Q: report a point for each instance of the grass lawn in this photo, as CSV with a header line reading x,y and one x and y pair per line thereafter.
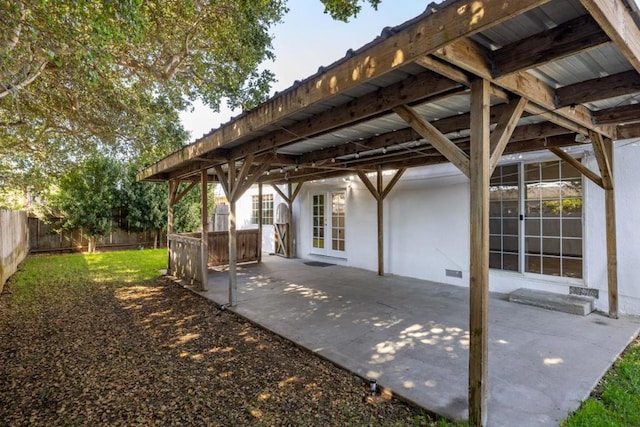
x,y
616,400
104,340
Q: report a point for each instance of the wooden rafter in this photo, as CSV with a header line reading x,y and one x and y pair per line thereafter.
x,y
604,164
620,84
415,88
184,192
621,114
474,58
617,22
504,130
569,38
594,177
435,137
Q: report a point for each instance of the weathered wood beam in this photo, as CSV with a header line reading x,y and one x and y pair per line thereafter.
x,y
244,185
600,151
474,58
627,131
233,239
415,88
594,177
457,20
367,183
612,249
184,192
569,38
223,179
260,215
479,175
617,22
617,115
280,193
620,84
435,137
380,220
242,176
173,189
503,131
204,239
393,182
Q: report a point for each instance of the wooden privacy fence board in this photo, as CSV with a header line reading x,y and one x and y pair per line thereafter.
x,y
14,242
247,241
44,238
185,257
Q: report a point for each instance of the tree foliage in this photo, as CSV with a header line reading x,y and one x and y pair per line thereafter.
x,y
88,195
342,10
78,78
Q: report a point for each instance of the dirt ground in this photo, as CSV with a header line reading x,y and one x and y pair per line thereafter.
x,y
156,354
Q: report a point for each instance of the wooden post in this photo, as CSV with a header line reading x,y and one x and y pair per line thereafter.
x,y
604,155
173,188
233,248
204,243
612,255
260,213
380,203
479,174
289,199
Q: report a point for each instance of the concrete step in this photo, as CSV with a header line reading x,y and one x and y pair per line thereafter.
x,y
572,304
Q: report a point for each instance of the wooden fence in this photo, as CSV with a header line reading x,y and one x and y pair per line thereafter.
x,y
44,238
185,252
14,243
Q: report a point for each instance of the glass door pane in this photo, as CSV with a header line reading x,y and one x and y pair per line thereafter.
x,y
337,221
318,221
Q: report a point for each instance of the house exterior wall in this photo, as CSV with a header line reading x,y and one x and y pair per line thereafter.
x,y
426,228
243,213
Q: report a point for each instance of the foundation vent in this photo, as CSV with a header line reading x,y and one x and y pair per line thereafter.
x,y
585,292
453,273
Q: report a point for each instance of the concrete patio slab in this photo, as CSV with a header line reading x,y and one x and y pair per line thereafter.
x,y
412,336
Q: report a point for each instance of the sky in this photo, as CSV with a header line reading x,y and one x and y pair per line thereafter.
x,y
308,39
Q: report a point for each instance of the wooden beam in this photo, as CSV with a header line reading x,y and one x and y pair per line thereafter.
x,y
242,176
569,38
612,250
173,188
260,214
290,253
296,192
380,220
479,252
367,183
620,84
600,151
617,22
224,181
248,181
617,115
426,85
594,177
503,131
204,238
472,57
280,192
458,19
393,182
631,130
184,192
435,137
233,242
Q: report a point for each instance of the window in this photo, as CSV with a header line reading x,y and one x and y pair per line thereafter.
x,y
535,219
267,209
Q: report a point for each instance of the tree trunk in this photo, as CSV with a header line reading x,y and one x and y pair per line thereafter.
x,y
92,244
156,236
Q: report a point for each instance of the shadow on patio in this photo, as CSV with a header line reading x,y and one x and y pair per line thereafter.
x,y
412,336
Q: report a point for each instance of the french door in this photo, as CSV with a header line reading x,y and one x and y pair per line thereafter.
x,y
328,223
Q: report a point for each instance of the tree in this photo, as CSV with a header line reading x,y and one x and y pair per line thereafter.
x,y
143,205
88,196
76,77
342,10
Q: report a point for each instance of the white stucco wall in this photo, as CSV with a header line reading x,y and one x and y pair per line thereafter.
x,y
243,213
426,221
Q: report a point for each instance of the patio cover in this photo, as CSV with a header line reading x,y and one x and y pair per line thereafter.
x,y
465,82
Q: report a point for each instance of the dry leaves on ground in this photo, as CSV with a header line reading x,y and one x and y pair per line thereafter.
x,y
156,354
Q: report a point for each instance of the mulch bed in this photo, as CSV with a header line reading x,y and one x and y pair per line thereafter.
x,y
156,354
